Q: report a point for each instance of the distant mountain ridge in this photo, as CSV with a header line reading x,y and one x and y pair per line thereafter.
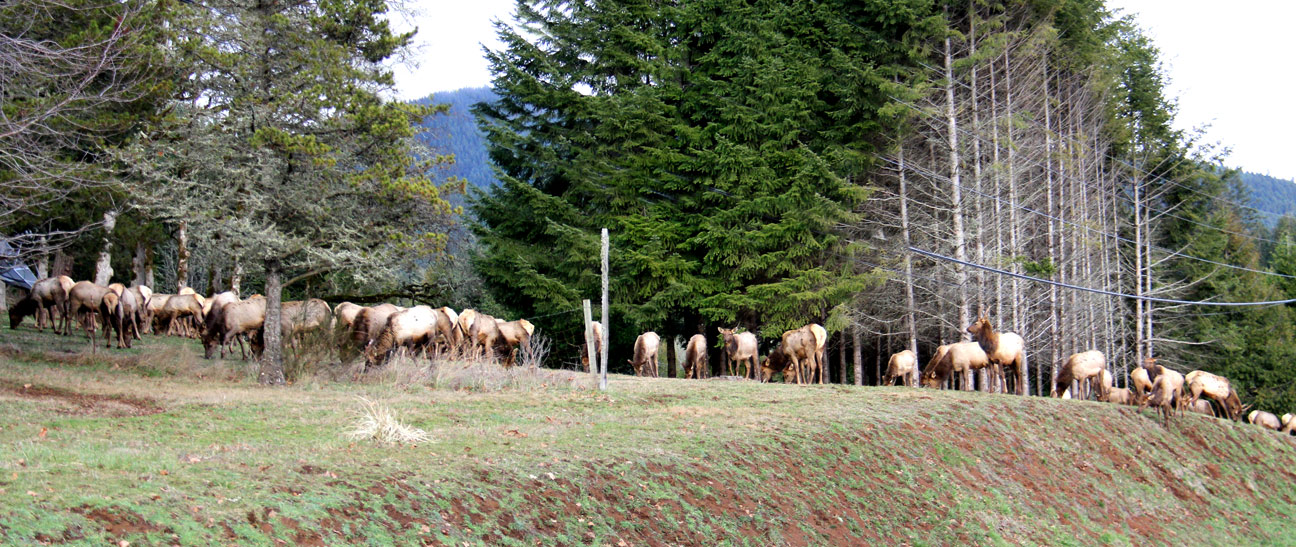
x,y
456,132
1270,194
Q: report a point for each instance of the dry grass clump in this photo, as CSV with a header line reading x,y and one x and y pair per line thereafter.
x,y
377,422
457,371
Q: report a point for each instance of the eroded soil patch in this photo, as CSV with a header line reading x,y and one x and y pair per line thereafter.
x,y
83,404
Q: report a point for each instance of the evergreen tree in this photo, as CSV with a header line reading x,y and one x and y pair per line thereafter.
x,y
288,151
721,142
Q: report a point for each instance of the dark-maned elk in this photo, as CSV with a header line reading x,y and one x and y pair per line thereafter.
x,y
237,319
801,349
1006,351
1216,388
411,329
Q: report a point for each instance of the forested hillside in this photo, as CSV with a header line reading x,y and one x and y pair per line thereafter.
x,y
889,170
456,132
1269,194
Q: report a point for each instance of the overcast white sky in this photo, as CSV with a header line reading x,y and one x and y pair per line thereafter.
x,y
1228,64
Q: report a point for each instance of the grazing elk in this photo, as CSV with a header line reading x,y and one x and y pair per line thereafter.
x,y
1006,351
1167,390
1216,388
83,301
960,357
1141,382
448,328
742,350
1201,406
49,295
696,365
1086,368
901,365
801,348
369,323
1288,424
237,319
1265,419
121,311
143,316
185,313
156,305
645,354
411,329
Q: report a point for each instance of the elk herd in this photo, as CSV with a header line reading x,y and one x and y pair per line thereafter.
x,y
223,320
377,332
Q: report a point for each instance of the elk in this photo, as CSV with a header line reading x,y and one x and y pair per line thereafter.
x,y
120,311
645,354
801,348
411,329
84,300
143,316
1167,390
49,295
1265,419
493,334
1084,367
1006,351
466,319
1288,423
959,357
695,358
1202,406
185,311
156,305
901,365
242,318
1216,388
776,362
448,327
742,349
369,323
1142,383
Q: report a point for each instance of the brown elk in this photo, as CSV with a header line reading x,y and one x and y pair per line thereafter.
x,y
121,312
411,329
493,335
960,357
156,305
369,323
742,350
1085,367
83,301
448,328
1265,419
27,307
1201,406
1288,424
48,296
777,362
1141,382
801,348
1216,388
300,317
696,365
901,365
237,319
645,354
596,329
1167,390
1006,351
466,320
185,312
143,316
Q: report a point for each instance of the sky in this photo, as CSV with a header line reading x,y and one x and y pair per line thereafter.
x,y
1227,64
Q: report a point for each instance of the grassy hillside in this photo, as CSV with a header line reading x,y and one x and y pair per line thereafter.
x,y
155,446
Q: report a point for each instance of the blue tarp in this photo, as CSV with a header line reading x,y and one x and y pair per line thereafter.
x,y
13,271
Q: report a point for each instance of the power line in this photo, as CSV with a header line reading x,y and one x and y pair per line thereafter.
x,y
938,256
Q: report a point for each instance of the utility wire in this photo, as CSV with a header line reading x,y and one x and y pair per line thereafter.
x,y
938,256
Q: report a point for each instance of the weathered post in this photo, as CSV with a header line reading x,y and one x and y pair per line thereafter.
x,y
603,359
589,337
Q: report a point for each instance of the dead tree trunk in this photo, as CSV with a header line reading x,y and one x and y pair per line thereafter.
x,y
103,266
182,257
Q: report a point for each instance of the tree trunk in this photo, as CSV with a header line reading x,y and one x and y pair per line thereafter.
x,y
42,261
148,268
236,276
910,304
103,267
272,356
858,344
140,264
956,192
182,257
671,371
62,264
842,344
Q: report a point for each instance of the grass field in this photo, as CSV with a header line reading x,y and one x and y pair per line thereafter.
x,y
156,446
